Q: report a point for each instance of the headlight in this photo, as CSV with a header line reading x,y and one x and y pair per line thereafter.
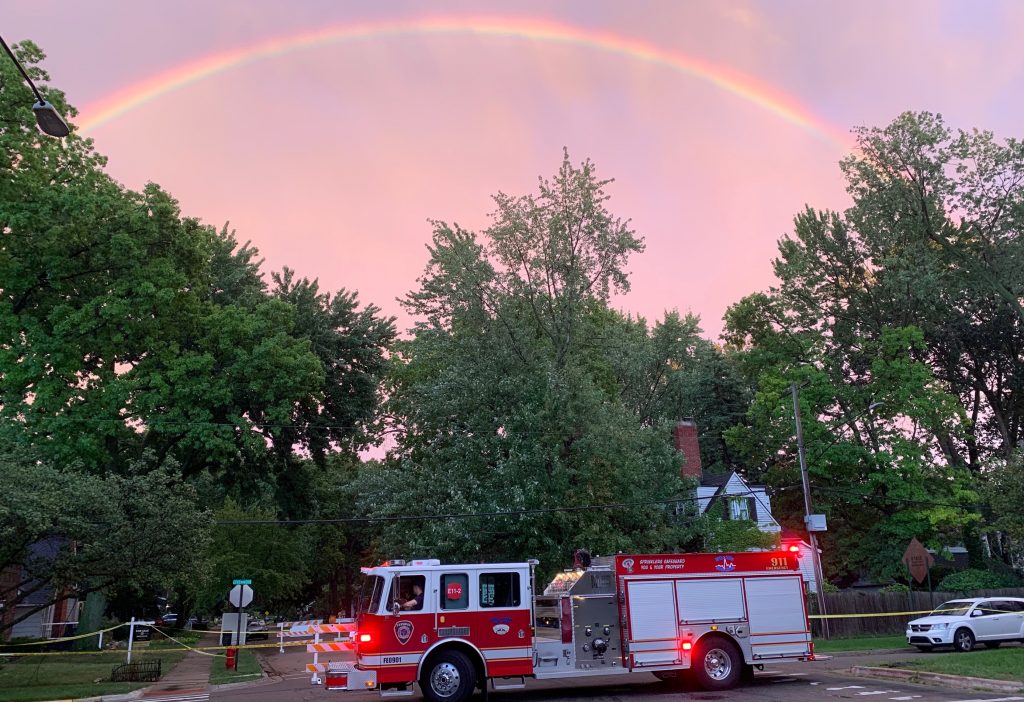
x,y
944,625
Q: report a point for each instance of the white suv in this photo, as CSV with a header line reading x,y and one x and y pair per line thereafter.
x,y
962,623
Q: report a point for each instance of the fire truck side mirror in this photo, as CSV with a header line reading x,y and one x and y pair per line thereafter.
x,y
395,609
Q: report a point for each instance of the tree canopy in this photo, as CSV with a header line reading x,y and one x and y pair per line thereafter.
x,y
153,382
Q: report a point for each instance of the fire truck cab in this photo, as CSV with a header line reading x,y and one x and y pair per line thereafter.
x,y
455,628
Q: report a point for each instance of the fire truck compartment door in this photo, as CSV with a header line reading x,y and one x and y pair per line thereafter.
x,y
778,621
653,627
710,600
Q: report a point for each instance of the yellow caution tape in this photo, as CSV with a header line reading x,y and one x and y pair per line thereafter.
x,y
876,614
67,638
148,651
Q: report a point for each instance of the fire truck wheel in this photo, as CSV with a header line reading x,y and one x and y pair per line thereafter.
x,y
448,677
718,664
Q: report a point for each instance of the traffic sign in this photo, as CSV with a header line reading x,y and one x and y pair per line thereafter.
x,y
240,595
241,582
918,560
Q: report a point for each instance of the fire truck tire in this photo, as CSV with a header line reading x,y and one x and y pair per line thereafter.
x,y
718,664
448,677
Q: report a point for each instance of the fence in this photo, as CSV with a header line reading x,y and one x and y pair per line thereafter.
x,y
873,602
140,671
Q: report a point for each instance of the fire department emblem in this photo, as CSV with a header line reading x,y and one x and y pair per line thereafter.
x,y
628,565
501,625
403,630
724,563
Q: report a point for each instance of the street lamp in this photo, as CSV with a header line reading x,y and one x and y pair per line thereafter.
x,y
47,117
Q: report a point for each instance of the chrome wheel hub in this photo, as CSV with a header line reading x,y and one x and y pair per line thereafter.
x,y
717,664
444,679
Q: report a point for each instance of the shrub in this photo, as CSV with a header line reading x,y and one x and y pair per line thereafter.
x,y
896,587
967,581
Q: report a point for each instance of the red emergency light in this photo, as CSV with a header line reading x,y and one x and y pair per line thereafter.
x,y
365,638
687,645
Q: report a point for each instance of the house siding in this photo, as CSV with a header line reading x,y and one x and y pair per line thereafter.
x,y
35,626
738,487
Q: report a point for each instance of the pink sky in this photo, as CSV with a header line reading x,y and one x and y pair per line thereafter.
x,y
332,159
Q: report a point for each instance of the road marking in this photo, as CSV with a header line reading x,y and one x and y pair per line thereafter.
x,y
847,687
815,683
904,699
878,692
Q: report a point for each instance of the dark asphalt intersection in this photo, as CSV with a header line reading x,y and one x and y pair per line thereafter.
x,y
795,683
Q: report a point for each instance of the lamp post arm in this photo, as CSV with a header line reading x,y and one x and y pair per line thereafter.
x,y
21,69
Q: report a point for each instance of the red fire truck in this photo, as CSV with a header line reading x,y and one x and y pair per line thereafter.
x,y
454,628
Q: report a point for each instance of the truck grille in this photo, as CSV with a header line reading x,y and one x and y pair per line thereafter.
x,y
920,627
453,631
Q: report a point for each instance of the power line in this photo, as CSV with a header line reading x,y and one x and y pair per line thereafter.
x,y
890,498
127,422
476,515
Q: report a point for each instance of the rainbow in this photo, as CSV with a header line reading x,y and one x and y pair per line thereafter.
x,y
738,84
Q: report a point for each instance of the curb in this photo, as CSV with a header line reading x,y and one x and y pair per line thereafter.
x,y
120,697
867,652
956,681
263,679
133,695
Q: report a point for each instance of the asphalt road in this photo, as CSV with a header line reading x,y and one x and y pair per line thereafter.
x,y
806,682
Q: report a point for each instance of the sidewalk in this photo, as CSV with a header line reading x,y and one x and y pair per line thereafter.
x,y
192,674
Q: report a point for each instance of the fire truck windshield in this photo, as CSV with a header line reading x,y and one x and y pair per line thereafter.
x,y
370,594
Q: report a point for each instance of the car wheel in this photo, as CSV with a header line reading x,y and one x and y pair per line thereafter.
x,y
992,644
924,649
718,663
448,677
963,640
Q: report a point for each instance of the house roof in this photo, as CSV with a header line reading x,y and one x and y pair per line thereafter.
x,y
716,479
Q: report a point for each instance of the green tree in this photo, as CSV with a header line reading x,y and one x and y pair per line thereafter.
x,y
134,339
276,558
348,341
1004,493
67,531
127,328
937,216
513,394
902,299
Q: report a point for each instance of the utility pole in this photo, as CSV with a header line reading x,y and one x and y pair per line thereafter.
x,y
805,480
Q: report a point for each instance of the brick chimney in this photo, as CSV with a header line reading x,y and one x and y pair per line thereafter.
x,y
685,438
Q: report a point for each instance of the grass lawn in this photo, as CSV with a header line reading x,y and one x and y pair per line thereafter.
x,y
248,669
860,643
63,677
1001,664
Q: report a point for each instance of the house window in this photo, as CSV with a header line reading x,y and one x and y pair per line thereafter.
x,y
739,508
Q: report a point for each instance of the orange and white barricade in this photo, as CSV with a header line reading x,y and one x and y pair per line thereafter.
x,y
289,630
342,629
